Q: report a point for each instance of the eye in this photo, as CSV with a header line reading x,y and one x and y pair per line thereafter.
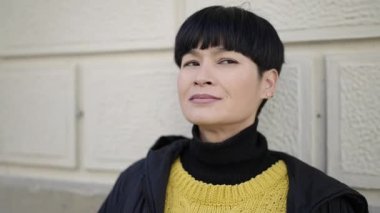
x,y
227,61
190,64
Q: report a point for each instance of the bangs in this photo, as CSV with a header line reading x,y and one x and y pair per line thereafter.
x,y
218,29
211,30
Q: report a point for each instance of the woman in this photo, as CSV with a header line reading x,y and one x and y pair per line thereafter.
x,y
229,61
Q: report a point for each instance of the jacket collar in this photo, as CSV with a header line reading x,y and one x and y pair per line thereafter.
x,y
159,161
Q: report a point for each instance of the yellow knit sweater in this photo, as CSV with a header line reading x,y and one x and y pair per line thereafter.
x,y
266,192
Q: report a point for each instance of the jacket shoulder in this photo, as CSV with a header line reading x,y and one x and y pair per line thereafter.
x,y
133,171
342,204
137,169
127,188
165,141
312,189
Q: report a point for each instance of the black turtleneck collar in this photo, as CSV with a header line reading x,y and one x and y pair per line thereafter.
x,y
235,160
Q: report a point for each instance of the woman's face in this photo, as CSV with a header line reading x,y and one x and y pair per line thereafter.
x,y
218,87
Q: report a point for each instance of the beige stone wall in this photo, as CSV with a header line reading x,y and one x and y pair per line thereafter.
x,y
87,86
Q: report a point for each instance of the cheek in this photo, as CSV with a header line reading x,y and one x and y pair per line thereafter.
x,y
182,85
247,90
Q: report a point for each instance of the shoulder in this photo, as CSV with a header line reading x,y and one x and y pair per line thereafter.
x,y
342,204
133,174
311,188
129,185
129,181
134,171
168,142
163,146
164,143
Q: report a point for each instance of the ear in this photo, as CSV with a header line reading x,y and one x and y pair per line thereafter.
x,y
268,83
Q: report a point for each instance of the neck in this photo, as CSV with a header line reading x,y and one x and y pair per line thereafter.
x,y
217,134
231,161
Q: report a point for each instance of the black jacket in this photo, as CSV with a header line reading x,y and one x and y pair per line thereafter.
x,y
142,187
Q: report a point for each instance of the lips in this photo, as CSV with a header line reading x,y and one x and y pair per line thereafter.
x,y
203,98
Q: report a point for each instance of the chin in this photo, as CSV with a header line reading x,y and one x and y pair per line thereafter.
x,y
204,120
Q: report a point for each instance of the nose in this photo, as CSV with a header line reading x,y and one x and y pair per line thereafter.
x,y
204,75
202,82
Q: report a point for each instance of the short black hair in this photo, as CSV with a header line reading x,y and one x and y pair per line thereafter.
x,y
235,29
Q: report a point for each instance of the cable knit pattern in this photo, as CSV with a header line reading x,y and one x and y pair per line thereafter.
x,y
267,192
